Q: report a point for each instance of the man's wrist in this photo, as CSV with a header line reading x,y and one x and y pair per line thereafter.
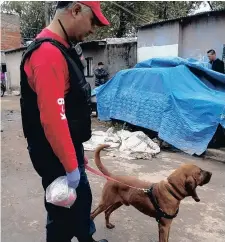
x,y
72,172
70,167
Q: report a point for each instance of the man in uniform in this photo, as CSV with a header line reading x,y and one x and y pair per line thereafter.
x,y
55,109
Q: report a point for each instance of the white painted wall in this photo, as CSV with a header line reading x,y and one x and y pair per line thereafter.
x,y
145,53
2,57
188,39
158,41
13,68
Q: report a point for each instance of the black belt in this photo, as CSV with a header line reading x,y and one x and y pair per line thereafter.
x,y
159,212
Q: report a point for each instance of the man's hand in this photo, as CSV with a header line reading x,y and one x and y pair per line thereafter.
x,y
73,178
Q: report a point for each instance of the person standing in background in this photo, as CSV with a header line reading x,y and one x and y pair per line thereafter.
x,y
217,64
101,75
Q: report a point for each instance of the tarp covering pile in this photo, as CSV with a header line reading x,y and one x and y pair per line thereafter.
x,y
180,99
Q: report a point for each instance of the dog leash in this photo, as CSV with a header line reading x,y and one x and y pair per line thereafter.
x,y
98,173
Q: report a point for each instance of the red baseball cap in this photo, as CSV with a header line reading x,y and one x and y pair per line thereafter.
x,y
95,6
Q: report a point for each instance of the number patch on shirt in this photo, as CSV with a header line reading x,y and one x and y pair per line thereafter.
x,y
61,103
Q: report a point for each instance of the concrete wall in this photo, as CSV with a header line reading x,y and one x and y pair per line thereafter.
x,y
121,56
13,60
201,35
98,54
223,57
10,31
190,38
115,57
158,41
2,57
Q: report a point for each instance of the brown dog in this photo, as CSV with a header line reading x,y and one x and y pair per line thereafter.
x,y
161,202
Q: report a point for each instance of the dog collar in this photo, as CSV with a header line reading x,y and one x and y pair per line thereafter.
x,y
159,212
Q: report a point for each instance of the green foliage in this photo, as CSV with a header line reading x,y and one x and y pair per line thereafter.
x,y
216,5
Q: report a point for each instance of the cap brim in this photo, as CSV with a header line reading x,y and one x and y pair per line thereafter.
x,y
103,21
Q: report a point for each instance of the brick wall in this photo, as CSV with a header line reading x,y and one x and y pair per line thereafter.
x,y
10,31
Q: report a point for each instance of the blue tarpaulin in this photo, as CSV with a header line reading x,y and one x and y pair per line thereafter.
x,y
180,99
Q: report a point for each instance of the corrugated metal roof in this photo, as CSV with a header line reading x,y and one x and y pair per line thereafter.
x,y
198,15
110,41
94,42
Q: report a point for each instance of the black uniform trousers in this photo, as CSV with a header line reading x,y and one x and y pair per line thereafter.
x,y
64,223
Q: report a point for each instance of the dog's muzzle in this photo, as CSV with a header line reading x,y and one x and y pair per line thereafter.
x,y
206,177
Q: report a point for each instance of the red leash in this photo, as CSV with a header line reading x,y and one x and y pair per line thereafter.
x,y
98,173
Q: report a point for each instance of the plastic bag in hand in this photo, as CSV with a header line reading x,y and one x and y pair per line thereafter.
x,y
60,194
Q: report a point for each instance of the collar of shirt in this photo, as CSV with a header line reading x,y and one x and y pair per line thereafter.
x,y
46,33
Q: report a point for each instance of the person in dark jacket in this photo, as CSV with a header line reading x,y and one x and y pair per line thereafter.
x,y
101,75
55,110
217,64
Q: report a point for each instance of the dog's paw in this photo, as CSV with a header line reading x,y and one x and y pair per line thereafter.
x,y
110,226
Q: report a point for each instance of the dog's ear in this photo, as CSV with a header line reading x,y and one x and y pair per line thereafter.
x,y
190,186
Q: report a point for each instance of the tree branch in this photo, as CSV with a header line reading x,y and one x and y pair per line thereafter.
x,y
210,5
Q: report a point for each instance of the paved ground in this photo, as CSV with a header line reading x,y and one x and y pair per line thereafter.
x,y
23,214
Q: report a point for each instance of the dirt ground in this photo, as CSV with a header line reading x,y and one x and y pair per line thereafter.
x,y
23,214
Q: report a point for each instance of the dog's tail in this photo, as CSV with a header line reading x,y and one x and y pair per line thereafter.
x,y
98,160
